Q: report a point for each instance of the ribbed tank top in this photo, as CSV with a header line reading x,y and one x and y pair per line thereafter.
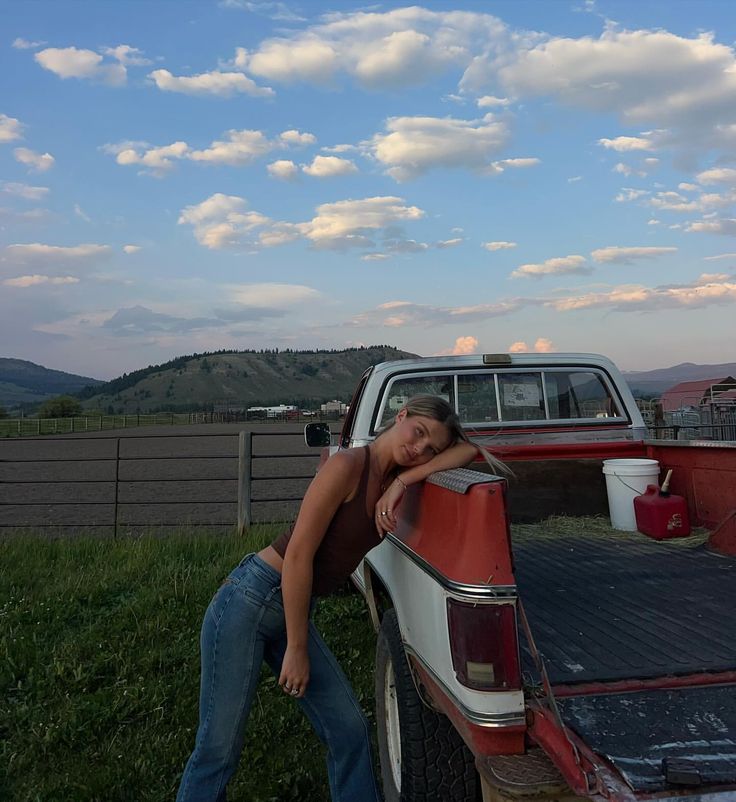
x,y
350,534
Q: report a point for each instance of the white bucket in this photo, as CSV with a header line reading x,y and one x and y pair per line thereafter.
x,y
625,480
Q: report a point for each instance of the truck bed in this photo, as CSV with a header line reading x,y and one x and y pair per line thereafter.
x,y
607,606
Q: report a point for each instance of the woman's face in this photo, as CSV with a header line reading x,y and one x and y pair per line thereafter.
x,y
418,438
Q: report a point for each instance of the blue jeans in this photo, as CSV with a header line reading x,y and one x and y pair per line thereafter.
x,y
243,626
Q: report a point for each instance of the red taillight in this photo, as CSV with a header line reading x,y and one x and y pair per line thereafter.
x,y
484,644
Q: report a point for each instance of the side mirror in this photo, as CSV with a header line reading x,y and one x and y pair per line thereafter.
x,y
317,434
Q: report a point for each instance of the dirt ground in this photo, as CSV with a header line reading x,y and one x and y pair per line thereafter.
x,y
158,476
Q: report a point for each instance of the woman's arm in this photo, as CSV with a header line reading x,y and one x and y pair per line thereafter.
x,y
327,491
454,457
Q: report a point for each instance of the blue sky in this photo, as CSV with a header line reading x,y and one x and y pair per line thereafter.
x,y
447,178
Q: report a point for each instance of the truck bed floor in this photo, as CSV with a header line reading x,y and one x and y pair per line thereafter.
x,y
605,605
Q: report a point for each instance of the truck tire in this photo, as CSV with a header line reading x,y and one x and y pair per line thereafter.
x,y
423,758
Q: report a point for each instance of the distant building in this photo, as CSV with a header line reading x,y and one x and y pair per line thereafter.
x,y
280,411
334,408
698,393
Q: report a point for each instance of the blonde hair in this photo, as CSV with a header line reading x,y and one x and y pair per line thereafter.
x,y
437,408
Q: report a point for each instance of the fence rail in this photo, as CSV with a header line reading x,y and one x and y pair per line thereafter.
x,y
115,484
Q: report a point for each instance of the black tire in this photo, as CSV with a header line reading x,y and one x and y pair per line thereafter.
x,y
426,760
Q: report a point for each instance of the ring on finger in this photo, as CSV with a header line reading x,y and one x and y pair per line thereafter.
x,y
294,691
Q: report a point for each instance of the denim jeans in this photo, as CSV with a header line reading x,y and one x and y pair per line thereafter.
x,y
243,626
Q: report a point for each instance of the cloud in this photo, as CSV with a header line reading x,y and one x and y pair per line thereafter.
x,y
297,138
673,202
623,144
399,48
157,160
720,256
499,245
24,44
492,102
127,55
695,295
272,295
619,255
38,162
81,214
34,280
221,221
415,145
718,175
219,84
273,10
543,345
24,191
561,265
241,147
628,194
37,253
130,249
70,62
329,166
725,226
463,345
10,128
449,243
285,169
397,314
138,320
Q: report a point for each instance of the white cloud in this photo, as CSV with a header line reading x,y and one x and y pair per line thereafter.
x,y
130,249
543,345
297,138
329,166
34,280
10,128
628,194
81,214
492,102
463,345
499,245
38,162
158,160
285,169
504,164
561,265
619,255
374,257
414,145
627,170
398,48
127,55
623,144
220,84
223,221
241,147
271,295
24,191
718,175
70,62
725,226
449,243
39,252
24,44
720,256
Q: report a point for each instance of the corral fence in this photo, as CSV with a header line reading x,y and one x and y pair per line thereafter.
x,y
35,427
112,486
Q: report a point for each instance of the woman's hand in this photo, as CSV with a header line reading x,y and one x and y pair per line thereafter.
x,y
294,676
385,515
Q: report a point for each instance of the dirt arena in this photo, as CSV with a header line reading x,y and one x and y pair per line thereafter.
x,y
167,477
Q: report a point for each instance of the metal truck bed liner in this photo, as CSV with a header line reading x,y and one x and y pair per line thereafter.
x,y
606,605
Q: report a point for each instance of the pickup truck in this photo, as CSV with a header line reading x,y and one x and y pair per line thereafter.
x,y
524,651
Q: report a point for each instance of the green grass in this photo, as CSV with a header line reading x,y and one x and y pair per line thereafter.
x,y
99,672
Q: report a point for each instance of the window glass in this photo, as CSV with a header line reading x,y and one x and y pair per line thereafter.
x,y
578,394
402,389
521,396
476,397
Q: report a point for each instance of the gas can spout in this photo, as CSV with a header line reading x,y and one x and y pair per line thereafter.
x,y
665,489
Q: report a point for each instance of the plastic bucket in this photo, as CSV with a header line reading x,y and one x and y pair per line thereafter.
x,y
625,480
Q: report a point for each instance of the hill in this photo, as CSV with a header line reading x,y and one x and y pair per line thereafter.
x,y
655,382
23,382
238,379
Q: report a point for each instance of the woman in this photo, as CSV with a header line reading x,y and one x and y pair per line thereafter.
x,y
262,610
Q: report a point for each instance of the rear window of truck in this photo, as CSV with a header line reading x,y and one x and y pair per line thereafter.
x,y
510,396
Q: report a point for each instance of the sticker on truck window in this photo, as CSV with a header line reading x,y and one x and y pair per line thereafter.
x,y
521,395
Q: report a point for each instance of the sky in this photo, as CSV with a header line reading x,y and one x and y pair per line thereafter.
x,y
180,176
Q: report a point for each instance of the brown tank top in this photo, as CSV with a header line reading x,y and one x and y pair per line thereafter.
x,y
350,534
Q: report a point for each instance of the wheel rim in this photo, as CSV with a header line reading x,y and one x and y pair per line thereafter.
x,y
393,732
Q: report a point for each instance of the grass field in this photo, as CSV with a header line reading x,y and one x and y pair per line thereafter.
x,y
99,672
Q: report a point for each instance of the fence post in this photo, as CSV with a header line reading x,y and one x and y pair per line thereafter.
x,y
245,452
117,477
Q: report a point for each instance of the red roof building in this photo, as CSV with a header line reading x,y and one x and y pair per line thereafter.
x,y
694,394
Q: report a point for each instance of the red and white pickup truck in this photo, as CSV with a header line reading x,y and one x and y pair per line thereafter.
x,y
553,660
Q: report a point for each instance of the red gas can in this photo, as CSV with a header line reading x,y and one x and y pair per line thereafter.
x,y
661,515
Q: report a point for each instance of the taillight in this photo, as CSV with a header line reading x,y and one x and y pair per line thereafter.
x,y
484,644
